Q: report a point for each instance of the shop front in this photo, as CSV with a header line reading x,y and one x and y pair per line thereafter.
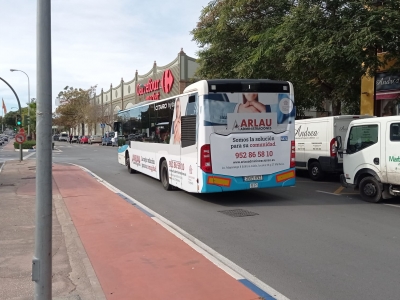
x,y
387,95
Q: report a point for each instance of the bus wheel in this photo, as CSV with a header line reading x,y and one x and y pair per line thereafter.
x,y
315,171
128,165
164,176
370,190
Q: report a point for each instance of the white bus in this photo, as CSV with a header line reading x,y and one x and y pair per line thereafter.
x,y
219,135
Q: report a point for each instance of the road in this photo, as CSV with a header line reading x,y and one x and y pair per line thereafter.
x,y
313,241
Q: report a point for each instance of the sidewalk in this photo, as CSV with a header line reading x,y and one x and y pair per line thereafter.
x,y
103,246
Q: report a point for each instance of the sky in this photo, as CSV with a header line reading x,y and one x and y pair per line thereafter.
x,y
94,42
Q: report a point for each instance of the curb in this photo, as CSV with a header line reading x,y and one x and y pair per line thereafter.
x,y
25,150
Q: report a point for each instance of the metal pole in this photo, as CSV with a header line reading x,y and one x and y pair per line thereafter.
x,y
20,113
29,107
42,260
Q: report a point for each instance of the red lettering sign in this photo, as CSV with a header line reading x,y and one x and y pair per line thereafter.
x,y
167,81
254,123
149,87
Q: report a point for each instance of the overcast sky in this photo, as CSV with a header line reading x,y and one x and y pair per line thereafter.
x,y
93,41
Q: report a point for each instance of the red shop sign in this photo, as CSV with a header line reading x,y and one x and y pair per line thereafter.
x,y
154,86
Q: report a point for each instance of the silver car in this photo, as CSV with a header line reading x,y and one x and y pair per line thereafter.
x,y
94,139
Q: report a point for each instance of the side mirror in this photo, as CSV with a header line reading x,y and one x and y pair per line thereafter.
x,y
339,142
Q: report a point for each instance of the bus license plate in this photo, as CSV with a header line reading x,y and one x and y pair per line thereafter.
x,y
254,185
253,178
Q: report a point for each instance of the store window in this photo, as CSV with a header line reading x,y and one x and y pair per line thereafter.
x,y
390,107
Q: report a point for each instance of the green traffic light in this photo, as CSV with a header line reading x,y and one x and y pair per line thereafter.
x,y
19,121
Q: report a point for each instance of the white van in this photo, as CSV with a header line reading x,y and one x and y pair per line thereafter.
x,y
64,137
316,144
371,157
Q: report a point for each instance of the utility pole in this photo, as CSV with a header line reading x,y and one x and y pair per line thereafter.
x,y
42,260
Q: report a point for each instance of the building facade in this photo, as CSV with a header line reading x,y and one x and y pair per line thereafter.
x,y
380,95
159,83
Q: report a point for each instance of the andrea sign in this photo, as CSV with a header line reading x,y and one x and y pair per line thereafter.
x,y
387,82
154,86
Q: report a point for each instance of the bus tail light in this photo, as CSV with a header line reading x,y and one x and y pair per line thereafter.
x,y
332,148
293,154
205,158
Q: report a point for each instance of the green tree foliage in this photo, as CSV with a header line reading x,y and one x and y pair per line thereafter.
x,y
10,117
323,47
224,34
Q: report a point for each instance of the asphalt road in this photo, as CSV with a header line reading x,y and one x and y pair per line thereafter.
x,y
313,241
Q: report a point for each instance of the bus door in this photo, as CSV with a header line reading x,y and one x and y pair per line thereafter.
x,y
185,135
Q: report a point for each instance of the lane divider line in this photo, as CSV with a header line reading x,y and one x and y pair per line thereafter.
x,y
327,193
250,281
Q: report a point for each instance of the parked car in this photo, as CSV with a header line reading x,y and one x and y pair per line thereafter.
x,y
64,137
56,137
85,139
106,140
74,139
95,139
79,138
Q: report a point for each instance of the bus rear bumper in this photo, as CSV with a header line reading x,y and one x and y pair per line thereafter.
x,y
214,183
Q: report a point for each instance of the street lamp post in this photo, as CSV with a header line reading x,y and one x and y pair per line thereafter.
x,y
29,102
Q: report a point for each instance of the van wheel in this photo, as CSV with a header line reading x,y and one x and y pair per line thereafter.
x,y
128,165
315,171
164,176
370,190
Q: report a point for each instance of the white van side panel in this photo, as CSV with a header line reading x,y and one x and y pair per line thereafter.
x,y
312,138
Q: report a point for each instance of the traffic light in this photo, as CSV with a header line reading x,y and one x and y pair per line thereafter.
x,y
19,121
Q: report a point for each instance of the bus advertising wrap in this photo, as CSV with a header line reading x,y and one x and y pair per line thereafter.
x,y
249,154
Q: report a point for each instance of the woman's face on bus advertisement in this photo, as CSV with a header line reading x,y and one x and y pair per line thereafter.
x,y
250,96
178,109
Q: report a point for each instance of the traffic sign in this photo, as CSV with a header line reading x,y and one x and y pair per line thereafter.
x,y
20,138
21,130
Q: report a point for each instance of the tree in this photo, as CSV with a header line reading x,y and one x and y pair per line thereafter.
x,y
224,34
331,45
324,48
10,117
73,111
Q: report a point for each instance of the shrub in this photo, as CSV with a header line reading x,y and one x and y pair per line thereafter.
x,y
25,145
121,142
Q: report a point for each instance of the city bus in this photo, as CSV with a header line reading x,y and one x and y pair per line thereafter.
x,y
218,135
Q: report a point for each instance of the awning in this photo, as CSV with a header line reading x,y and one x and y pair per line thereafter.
x,y
388,95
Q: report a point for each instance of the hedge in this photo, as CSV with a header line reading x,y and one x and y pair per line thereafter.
x,y
25,145
121,142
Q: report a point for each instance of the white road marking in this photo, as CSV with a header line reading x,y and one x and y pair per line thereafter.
x,y
327,193
398,206
29,155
